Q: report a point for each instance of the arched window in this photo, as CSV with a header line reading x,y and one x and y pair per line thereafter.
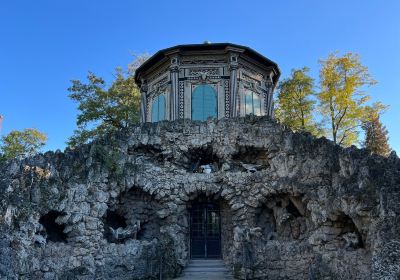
x,y
204,103
158,108
252,103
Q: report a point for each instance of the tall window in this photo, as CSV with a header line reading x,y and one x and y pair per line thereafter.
x,y
204,103
158,108
252,103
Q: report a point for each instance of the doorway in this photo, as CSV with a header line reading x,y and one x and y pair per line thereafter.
x,y
205,231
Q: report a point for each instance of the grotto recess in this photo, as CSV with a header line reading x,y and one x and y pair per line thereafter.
x,y
276,205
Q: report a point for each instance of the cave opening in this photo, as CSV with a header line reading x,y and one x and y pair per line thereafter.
x,y
203,160
292,209
151,151
132,217
349,232
112,220
282,217
54,231
250,159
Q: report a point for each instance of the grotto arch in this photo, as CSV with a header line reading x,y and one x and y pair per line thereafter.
x,y
210,232
341,230
54,231
197,159
282,217
132,215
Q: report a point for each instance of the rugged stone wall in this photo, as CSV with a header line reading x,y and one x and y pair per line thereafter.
x,y
293,207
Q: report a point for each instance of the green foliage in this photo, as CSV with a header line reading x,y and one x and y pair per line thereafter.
x,y
28,141
342,103
376,134
295,107
167,255
109,158
105,109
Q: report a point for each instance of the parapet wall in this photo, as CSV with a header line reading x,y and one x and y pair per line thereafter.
x,y
292,206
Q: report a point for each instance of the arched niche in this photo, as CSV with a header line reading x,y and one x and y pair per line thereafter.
x,y
54,231
132,216
283,217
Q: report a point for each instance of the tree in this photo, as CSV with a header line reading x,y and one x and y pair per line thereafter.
x,y
105,109
28,141
295,107
341,99
376,134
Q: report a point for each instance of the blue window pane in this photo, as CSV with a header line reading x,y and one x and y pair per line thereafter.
x,y
158,109
210,102
154,110
204,103
248,102
256,104
252,103
197,104
161,107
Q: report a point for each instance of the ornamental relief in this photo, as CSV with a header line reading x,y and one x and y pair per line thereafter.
x,y
211,59
250,82
248,78
181,98
251,71
204,79
227,99
253,87
155,75
204,71
161,82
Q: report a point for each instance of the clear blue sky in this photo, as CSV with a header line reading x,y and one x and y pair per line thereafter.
x,y
45,44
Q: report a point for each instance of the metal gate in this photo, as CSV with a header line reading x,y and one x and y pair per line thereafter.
x,y
205,231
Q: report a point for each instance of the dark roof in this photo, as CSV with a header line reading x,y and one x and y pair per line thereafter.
x,y
204,47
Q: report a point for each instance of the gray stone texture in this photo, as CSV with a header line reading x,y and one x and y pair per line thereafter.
x,y
292,206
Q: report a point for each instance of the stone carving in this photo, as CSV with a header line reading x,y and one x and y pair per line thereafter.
x,y
203,60
204,72
159,84
252,81
227,99
40,235
247,234
120,233
181,99
251,70
251,168
351,240
158,73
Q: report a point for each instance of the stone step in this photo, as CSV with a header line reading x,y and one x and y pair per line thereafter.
x,y
206,260
205,270
205,276
206,265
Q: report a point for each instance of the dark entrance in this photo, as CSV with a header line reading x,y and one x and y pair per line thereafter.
x,y
205,231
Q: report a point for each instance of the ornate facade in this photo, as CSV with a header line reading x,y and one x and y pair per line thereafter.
x,y
204,81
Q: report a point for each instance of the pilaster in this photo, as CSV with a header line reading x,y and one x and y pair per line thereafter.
x,y
269,106
174,102
143,102
233,68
